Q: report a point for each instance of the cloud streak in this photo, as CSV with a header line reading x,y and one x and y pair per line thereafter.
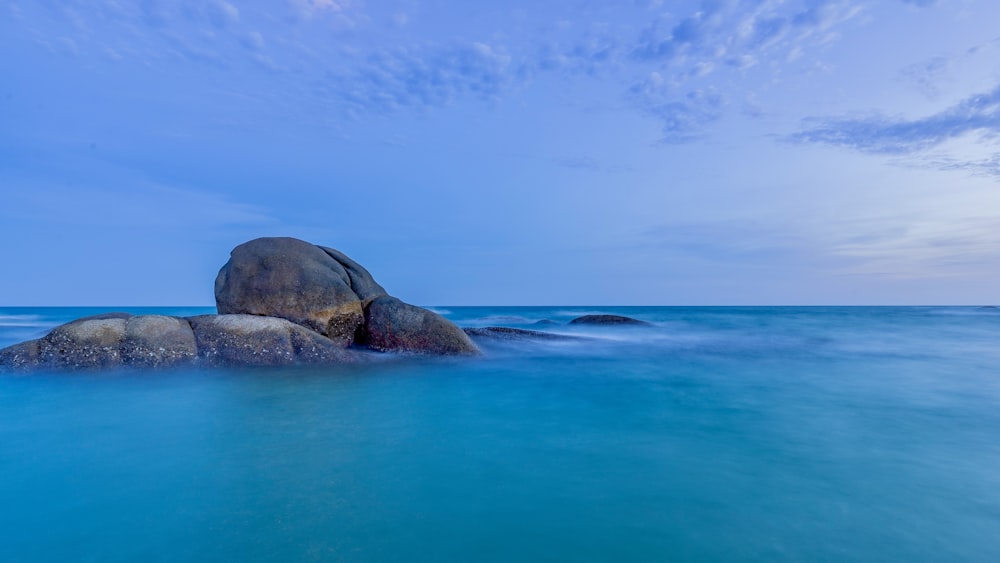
x,y
721,37
880,134
683,118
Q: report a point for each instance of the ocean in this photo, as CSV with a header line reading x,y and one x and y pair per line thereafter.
x,y
716,434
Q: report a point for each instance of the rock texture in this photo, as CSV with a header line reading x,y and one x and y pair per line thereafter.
x,y
322,289
87,342
294,280
107,341
281,301
394,326
606,320
262,341
157,340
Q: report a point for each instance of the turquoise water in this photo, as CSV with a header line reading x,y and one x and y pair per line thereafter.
x,y
718,434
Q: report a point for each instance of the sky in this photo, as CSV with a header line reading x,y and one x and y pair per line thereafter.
x,y
717,152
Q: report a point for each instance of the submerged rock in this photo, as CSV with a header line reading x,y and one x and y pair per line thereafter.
x,y
606,320
507,333
394,326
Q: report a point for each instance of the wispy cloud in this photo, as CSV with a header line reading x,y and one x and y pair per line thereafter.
x,y
978,114
728,37
674,65
739,32
588,164
589,55
923,248
683,118
926,75
422,78
727,241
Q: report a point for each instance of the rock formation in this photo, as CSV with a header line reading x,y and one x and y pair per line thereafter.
x,y
280,301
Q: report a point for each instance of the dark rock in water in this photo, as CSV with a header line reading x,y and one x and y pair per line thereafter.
x,y
606,320
507,333
989,307
23,356
394,326
298,281
546,322
251,340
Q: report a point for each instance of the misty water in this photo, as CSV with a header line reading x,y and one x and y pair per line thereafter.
x,y
716,434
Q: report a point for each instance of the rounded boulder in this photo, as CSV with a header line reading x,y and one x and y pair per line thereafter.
x,y
295,280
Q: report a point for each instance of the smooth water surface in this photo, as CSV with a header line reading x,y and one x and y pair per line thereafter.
x,y
717,434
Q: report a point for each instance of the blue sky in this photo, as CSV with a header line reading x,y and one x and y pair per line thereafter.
x,y
664,153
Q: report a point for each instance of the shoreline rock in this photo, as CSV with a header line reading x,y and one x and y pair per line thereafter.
x,y
394,326
280,300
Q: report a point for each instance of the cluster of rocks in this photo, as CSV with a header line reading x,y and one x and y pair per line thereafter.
x,y
511,334
280,301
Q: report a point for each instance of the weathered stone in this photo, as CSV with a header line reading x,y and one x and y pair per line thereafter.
x,y
25,355
157,340
606,320
362,283
253,340
292,279
281,300
90,342
392,325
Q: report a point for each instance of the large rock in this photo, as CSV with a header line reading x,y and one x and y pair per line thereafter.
x,y
394,326
122,340
282,301
107,341
318,288
251,340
